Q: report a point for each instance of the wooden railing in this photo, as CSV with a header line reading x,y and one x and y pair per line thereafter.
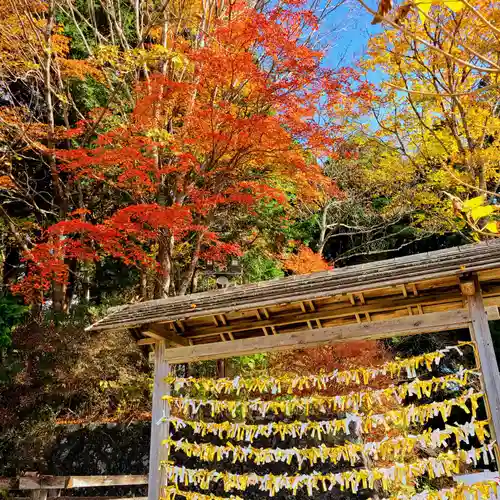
x,y
37,487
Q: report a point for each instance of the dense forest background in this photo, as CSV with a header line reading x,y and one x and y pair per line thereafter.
x,y
147,147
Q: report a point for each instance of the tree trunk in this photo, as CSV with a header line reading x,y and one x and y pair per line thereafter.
x,y
193,265
164,274
59,302
144,283
86,272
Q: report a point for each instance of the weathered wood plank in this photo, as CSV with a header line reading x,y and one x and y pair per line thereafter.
x,y
163,332
159,430
94,481
481,335
436,266
493,313
147,341
32,482
408,325
66,482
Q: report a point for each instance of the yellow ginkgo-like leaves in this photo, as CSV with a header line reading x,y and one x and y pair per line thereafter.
x,y
480,212
492,227
425,6
473,203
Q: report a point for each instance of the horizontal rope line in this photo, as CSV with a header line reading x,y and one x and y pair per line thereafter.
x,y
445,464
275,385
396,448
344,402
410,414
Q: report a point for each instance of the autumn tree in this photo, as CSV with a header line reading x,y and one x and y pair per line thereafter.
x,y
58,61
439,118
216,129
472,44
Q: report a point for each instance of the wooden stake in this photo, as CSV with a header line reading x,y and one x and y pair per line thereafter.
x,y
159,430
39,494
481,336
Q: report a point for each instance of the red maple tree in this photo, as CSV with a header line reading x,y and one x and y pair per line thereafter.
x,y
231,125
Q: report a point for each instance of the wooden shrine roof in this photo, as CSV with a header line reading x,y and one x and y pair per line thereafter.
x,y
403,286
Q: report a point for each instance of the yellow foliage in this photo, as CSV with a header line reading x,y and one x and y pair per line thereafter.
x,y
436,114
23,45
125,61
492,227
424,7
473,203
480,212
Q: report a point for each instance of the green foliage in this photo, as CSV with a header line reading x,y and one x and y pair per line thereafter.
x,y
11,315
305,230
202,369
259,267
128,393
88,94
380,202
256,362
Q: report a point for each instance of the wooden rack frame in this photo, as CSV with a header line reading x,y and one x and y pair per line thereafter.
x,y
475,317
39,487
433,292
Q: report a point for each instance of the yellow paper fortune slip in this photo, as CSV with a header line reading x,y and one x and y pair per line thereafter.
x,y
353,401
286,384
359,424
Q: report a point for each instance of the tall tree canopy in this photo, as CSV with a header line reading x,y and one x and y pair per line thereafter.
x,y
439,117
199,128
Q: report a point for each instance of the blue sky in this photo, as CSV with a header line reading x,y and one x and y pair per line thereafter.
x,y
354,28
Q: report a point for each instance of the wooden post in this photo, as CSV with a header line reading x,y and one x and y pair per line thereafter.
x,y
159,430
39,495
480,333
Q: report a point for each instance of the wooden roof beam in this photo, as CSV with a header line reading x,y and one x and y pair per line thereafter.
x,y
408,325
164,332
378,305
468,287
